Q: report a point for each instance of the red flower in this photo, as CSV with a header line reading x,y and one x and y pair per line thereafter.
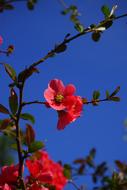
x,y
74,109
56,94
8,177
1,40
46,172
5,187
9,174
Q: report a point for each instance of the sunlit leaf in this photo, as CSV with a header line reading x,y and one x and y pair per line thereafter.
x,y
105,10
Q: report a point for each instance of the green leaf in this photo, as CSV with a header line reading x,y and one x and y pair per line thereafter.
x,y
13,101
107,94
114,98
34,146
67,171
96,36
96,95
79,27
3,109
27,116
30,134
10,71
105,10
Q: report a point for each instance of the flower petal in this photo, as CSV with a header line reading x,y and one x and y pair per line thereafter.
x,y
57,85
69,90
64,119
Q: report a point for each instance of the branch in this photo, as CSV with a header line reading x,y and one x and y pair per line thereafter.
x,y
18,139
72,182
68,40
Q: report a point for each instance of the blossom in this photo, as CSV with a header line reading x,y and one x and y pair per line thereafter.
x,y
1,40
5,187
56,94
9,174
45,171
8,177
62,99
74,106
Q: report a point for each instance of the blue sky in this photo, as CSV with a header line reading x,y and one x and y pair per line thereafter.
x,y
88,65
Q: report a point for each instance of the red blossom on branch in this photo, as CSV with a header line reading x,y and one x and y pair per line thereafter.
x,y
1,40
8,177
44,171
62,99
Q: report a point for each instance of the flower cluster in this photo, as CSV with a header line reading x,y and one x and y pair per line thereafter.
x,y
45,174
8,177
62,99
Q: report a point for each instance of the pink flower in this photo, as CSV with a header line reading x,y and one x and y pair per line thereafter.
x,y
5,187
1,40
62,99
56,94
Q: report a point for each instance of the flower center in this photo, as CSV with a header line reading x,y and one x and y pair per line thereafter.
x,y
59,98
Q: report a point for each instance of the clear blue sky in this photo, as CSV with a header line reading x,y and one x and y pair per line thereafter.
x,y
88,65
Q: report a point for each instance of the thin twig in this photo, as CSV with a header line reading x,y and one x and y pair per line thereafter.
x,y
72,182
68,40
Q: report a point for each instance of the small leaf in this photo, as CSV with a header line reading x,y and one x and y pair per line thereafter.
x,y
27,116
10,71
34,146
79,28
114,98
13,101
3,109
107,94
30,134
96,95
105,10
67,171
96,36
